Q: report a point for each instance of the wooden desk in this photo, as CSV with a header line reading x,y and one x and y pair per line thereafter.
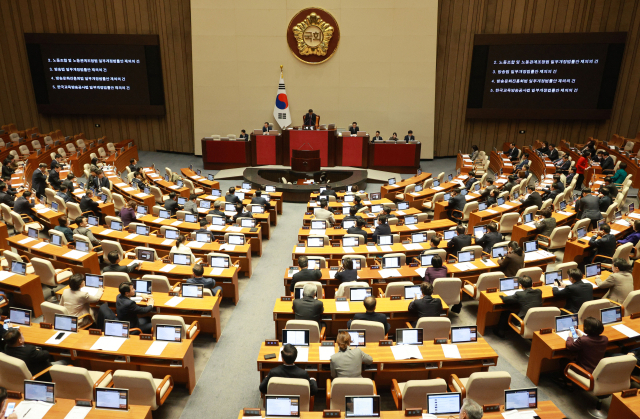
x,y
627,408
176,359
201,181
336,205
547,349
26,291
306,220
494,213
4,235
130,193
416,199
266,219
120,159
524,232
441,210
55,254
403,230
397,312
539,165
63,406
464,163
498,160
390,191
165,187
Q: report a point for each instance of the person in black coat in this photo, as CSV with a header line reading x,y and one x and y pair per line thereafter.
x,y
492,199
534,198
381,229
456,202
526,299
359,229
409,137
171,204
569,178
346,273
243,135
563,165
88,204
304,274
328,191
458,242
289,370
265,127
352,215
132,165
602,243
607,164
513,152
354,128
470,181
7,171
68,182
198,278
511,183
231,197
576,293
39,180
553,152
258,199
490,238
310,119
101,181
371,315
240,213
5,196
427,306
114,258
36,359
128,311
307,307
604,200
23,205
54,178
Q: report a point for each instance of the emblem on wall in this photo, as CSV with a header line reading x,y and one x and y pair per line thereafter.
x,y
313,35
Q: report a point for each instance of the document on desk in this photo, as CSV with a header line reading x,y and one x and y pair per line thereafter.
x,y
511,292
490,211
451,351
77,412
158,220
215,228
167,268
75,254
412,227
216,271
367,203
623,223
303,354
348,249
346,204
106,231
53,341
400,212
5,274
229,247
332,274
39,245
464,266
42,211
131,236
421,271
522,414
342,306
505,206
325,352
176,223
437,188
406,352
626,330
195,245
634,215
389,273
156,348
372,249
108,343
412,246
174,301
232,228
167,242
531,224
34,409
386,248
27,240
299,249
488,262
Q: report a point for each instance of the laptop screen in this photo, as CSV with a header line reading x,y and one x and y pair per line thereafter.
x,y
461,334
466,256
203,237
116,329
142,286
611,315
248,223
56,239
269,188
391,262
82,246
117,225
295,337
93,221
179,183
359,294
409,220
164,214
349,198
41,391
182,200
499,251
409,336
240,195
181,259
376,208
19,268
315,241
349,223
479,231
449,234
565,322
112,398
551,277
425,260
318,225
204,204
581,232
171,234
246,185
444,403
411,291
142,230
500,200
418,237
350,242
142,209
168,333
282,406
524,398
230,207
418,188
403,205
192,290
219,261
257,209
191,218
65,323
298,293
375,196
94,281
32,232
531,246
528,218
357,336
392,181
592,269
508,284
362,406
482,206
385,240
218,221
146,255
20,316
237,239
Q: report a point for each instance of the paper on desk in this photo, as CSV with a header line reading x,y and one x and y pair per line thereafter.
x,y
167,268
215,228
106,231
229,247
634,215
412,227
565,213
195,244
129,189
386,248
372,249
315,232
77,412
490,211
90,290
367,202
174,186
406,352
531,224
158,220
348,249
346,204
421,271
75,254
451,351
108,343
39,245
27,240
156,348
342,306
53,341
176,223
389,273
488,262
299,249
135,261
303,354
510,292
332,274
505,206
625,330
615,232
140,195
412,246
174,301
325,352
313,204
623,223
131,236
464,266
233,228
37,410
424,416
437,188
42,211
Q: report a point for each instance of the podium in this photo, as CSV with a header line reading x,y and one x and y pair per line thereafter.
x,y
305,160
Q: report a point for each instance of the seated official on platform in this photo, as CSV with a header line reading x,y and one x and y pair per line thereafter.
x,y
621,173
78,302
492,199
348,362
458,242
346,273
490,238
619,283
591,346
231,196
354,128
511,183
216,210
308,307
243,135
563,164
545,148
198,273
394,137
526,299
572,175
203,229
470,180
436,270
241,212
5,197
323,212
534,198
265,127
371,315
576,294
289,370
602,243
377,137
474,153
358,229
114,258
310,119
62,193
513,261
101,181
304,274
409,137
128,311
607,163
36,359
427,306
553,152
381,229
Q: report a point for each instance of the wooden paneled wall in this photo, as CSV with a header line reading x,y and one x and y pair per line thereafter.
x,y
169,19
459,20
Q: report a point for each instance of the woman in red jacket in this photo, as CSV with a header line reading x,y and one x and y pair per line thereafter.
x,y
581,166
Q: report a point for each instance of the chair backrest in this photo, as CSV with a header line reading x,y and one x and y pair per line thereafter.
x,y
12,257
321,259
345,287
539,318
584,223
342,387
317,284
631,304
172,320
6,213
623,251
84,239
565,267
114,279
13,372
448,289
440,252
72,382
60,234
319,236
530,210
613,374
546,204
49,310
24,150
360,237
535,273
591,309
44,269
361,258
141,386
291,387
110,245
396,288
488,280
118,201
434,327
414,392
310,325
488,387
73,210
374,330
507,221
159,283
477,250
402,256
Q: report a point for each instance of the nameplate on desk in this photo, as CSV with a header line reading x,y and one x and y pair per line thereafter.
x,y
545,331
395,297
375,267
328,343
326,413
285,298
334,268
96,332
308,213
271,342
335,245
371,244
385,342
146,336
84,402
44,325
537,284
487,408
635,315
174,294
632,392
413,265
251,412
413,412
406,242
440,341
306,227
341,298
490,290
300,244
14,394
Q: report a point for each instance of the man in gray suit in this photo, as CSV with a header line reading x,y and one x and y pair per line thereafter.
x,y
588,206
323,212
619,283
308,308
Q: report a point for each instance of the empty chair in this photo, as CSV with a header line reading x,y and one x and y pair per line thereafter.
x,y
20,226
537,318
11,257
78,383
144,390
374,331
483,387
631,304
433,327
118,201
159,283
448,289
157,194
80,143
24,150
592,309
534,273
292,387
407,190
485,280
315,334
622,252
507,222
437,197
463,215
111,148
71,148
110,245
13,372
186,332
73,210
396,288
413,393
345,287
114,279
102,153
192,188
63,238
342,386
50,276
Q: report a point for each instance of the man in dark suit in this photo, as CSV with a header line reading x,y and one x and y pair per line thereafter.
x,y
490,238
576,293
604,200
203,229
553,152
68,182
358,229
171,204
5,196
352,215
534,198
456,202
289,370
511,182
132,165
88,204
328,191
198,278
357,203
307,307
36,359
569,178
427,306
304,274
241,213
265,127
54,178
470,180
526,299
608,184
381,229
216,210
544,149
56,162
128,311
23,205
39,180
602,243
231,196
377,137
553,192
607,164
458,242
101,181
371,315
409,137
7,170
258,199
243,135
114,258
588,206
513,152
62,193
563,165
354,128
309,119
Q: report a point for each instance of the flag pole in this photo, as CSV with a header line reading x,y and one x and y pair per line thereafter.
x,y
281,68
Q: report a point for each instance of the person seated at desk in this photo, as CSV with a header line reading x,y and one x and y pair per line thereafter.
x,y
352,215
132,165
547,224
68,183
591,346
409,137
128,212
604,200
54,178
36,359
354,128
434,242
599,157
241,212
78,302
23,206
137,181
523,161
198,278
513,261
258,199
572,175
607,163
64,228
88,204
289,370
171,204
427,306
486,191
526,299
5,197
180,247
307,307
436,270
191,205
523,173
216,210
470,180
512,154
310,119
456,202
83,229
492,199
114,258
458,242
545,148
371,315
231,196
323,212
632,238
588,206
128,311
470,409
621,174
534,198
101,181
608,184
490,238
619,283
511,183
394,137
243,135
62,193
602,243
346,273
590,147
265,127
7,170
377,137
358,229
348,362
381,229
559,186
203,229
552,193
357,203
577,293
474,153
328,191
553,152
304,274
563,164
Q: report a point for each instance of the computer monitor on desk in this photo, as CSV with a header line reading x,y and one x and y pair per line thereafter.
x,y
552,277
359,294
347,224
65,323
295,337
524,398
19,316
611,315
40,391
592,270
192,290
385,240
181,259
357,336
508,284
143,286
282,406
112,398
362,406
449,234
409,336
564,323
168,333
444,403
116,328
464,334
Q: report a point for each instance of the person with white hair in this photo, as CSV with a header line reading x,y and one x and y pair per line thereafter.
x,y
307,307
470,410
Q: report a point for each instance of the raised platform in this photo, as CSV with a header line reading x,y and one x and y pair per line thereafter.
x,y
295,192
